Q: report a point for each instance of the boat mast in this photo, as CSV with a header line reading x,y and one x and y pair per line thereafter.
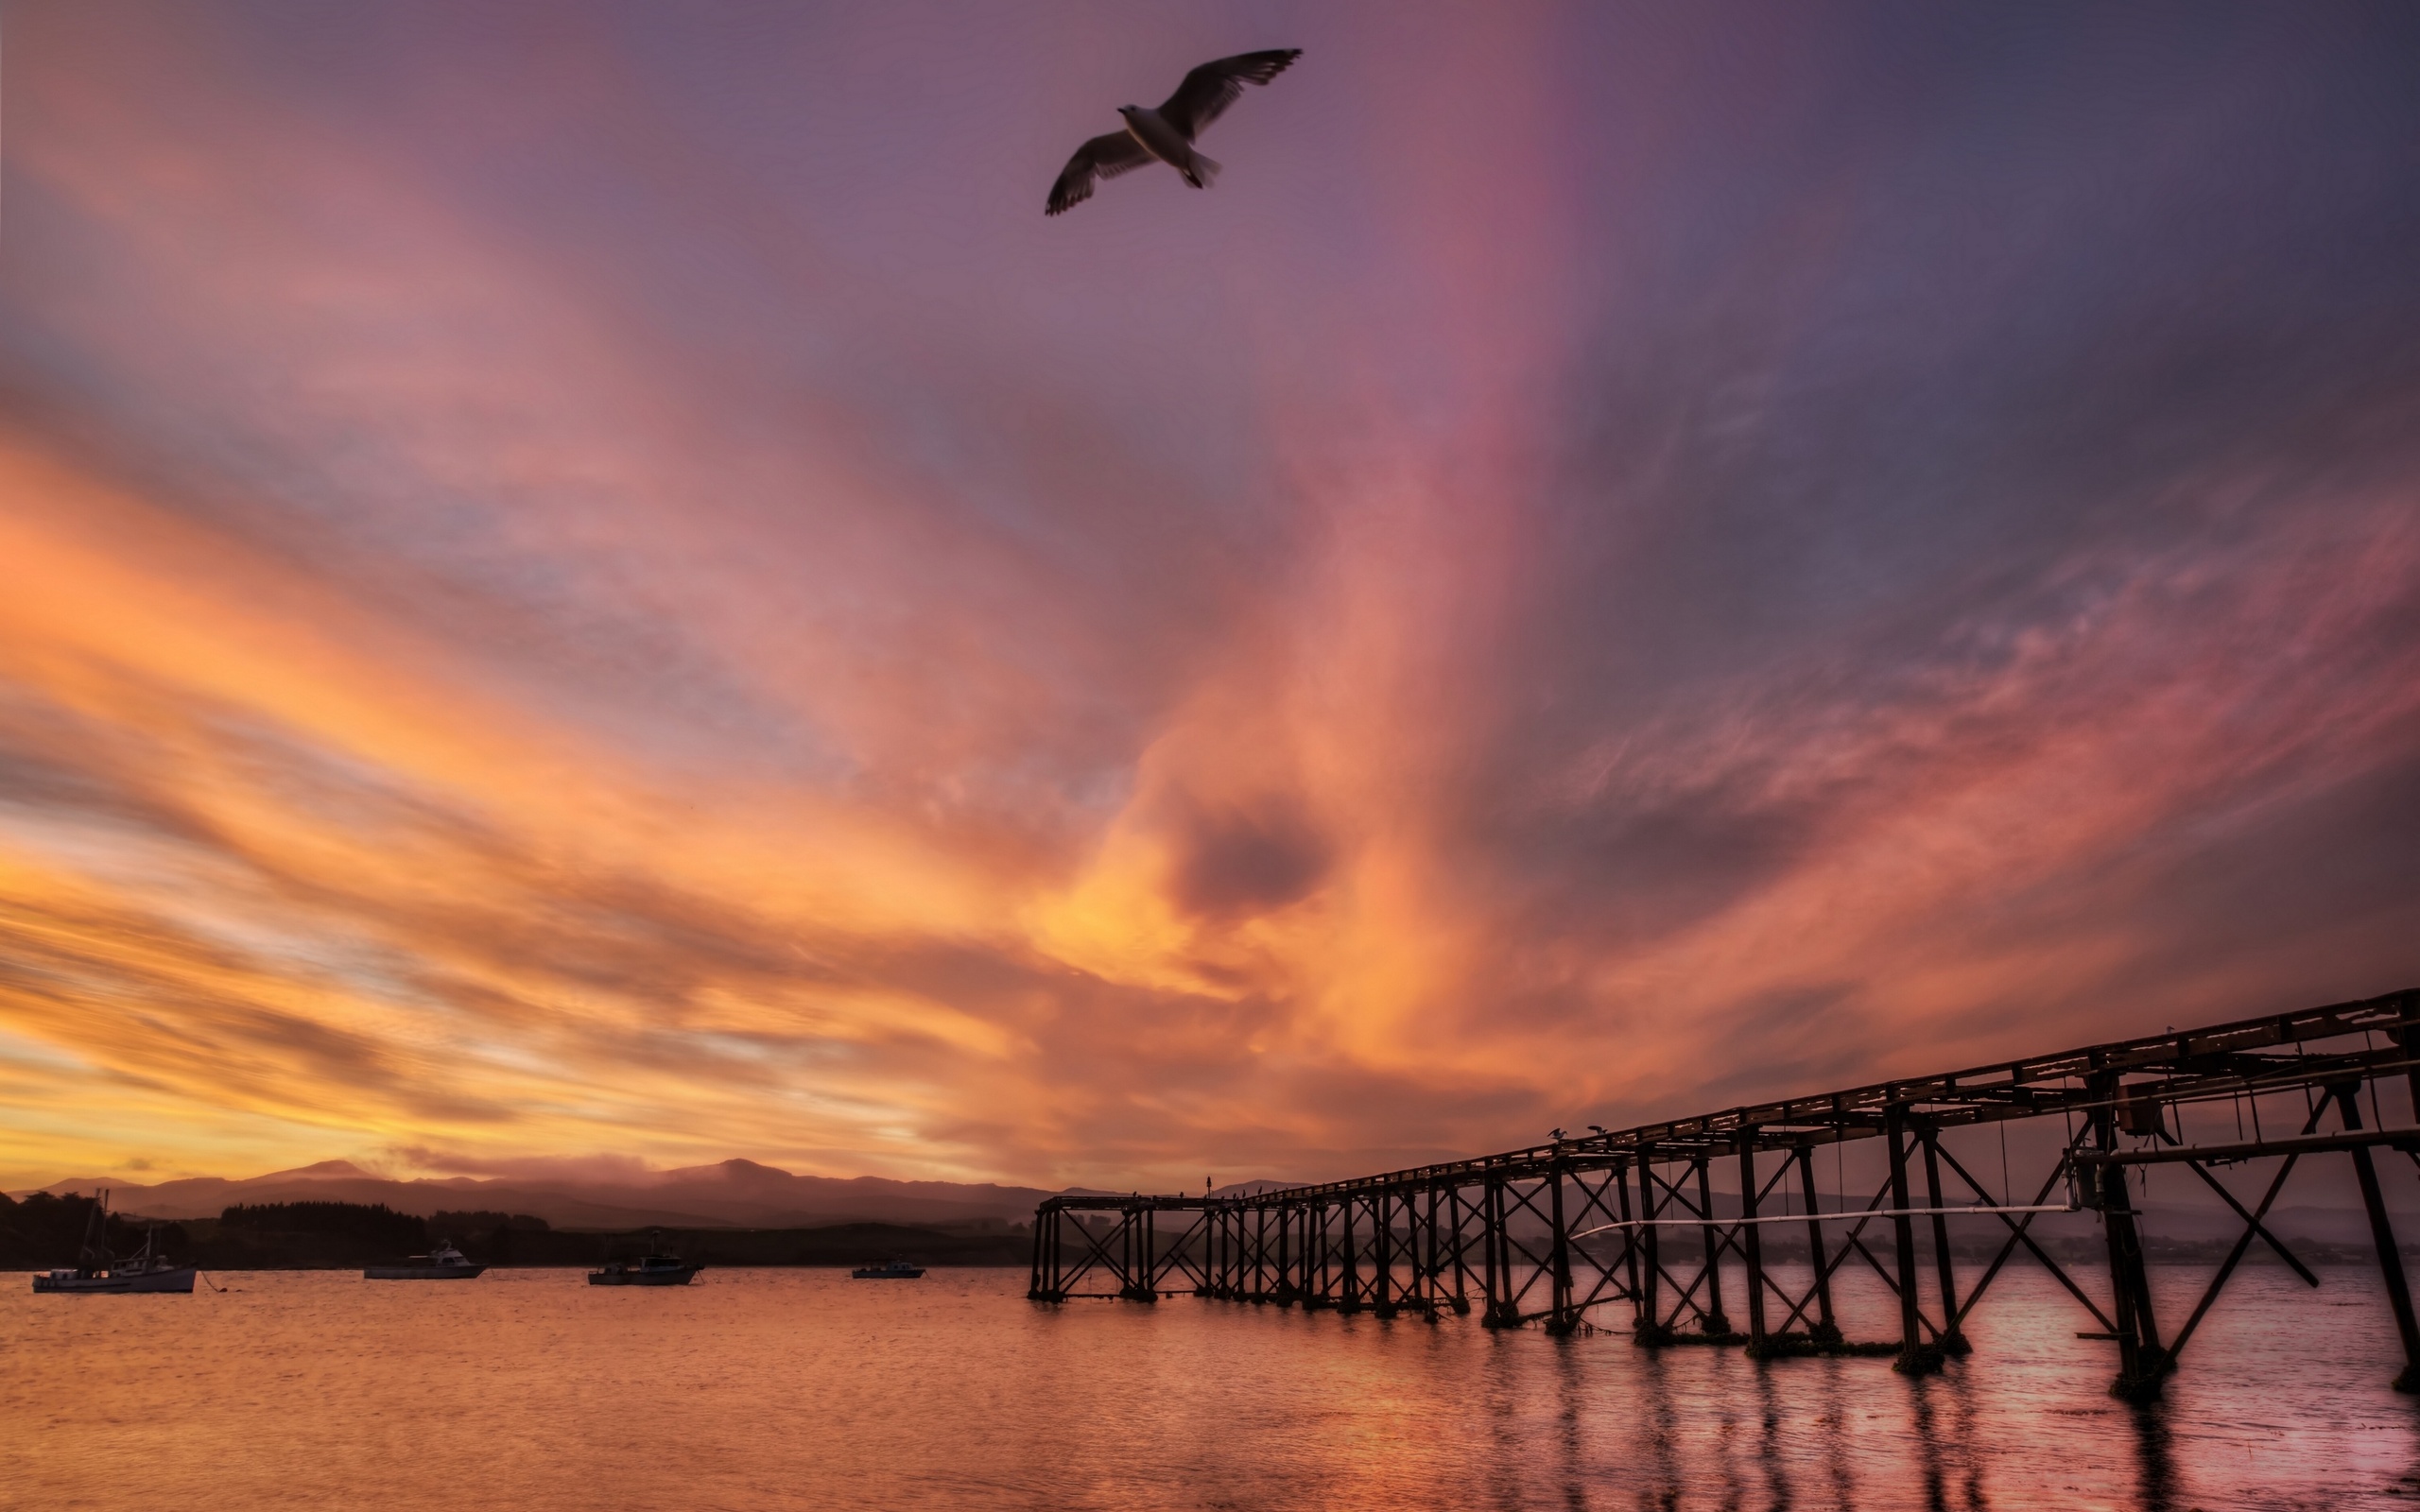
x,y
94,1254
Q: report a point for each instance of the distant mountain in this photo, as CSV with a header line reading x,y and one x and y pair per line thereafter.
x,y
745,1195
735,1194
1250,1189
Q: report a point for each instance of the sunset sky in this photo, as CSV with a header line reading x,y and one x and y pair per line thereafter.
x,y
586,580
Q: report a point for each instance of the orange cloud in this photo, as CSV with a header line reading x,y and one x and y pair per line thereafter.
x,y
544,619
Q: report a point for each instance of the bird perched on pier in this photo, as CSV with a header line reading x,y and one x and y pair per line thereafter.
x,y
1167,134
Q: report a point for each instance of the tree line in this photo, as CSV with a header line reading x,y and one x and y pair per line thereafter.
x,y
44,1231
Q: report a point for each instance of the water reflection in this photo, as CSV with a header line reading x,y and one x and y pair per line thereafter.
x,y
1942,1443
2155,1467
1835,1433
1730,1373
1961,1393
777,1390
1571,1465
1507,1472
1658,1430
1769,1441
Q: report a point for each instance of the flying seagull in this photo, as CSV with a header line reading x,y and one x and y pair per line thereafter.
x,y
1167,134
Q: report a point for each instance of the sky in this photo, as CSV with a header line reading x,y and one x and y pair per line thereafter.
x,y
597,580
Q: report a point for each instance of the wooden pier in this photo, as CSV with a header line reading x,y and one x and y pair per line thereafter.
x,y
1573,1231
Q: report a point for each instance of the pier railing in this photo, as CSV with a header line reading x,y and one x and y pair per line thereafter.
x,y
1562,1232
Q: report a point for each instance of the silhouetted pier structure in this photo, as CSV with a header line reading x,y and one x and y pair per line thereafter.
x,y
1545,1234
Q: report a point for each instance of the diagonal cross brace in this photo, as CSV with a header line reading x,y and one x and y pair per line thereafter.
x,y
2253,1226
2018,1235
1098,1255
2244,1242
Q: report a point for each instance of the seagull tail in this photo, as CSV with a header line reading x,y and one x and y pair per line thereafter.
x,y
1202,171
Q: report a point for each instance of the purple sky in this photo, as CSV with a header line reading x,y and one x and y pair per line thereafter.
x,y
597,580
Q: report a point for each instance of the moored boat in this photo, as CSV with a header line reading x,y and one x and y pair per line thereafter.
x,y
889,1271
95,1271
652,1270
443,1263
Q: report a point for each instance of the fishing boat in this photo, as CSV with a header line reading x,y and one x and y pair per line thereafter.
x,y
890,1270
652,1271
443,1263
147,1270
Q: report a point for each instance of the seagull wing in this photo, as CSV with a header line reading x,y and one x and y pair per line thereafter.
x,y
1209,90
1103,157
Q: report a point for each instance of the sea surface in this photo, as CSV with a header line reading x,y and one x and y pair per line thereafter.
x,y
760,1389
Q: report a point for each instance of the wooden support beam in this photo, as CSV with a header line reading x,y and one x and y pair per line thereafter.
x,y
2398,1290
1649,1329
1825,1330
1561,1318
2142,1364
1348,1292
1502,1311
1716,1322
1752,1245
1915,1356
1953,1339
1383,1261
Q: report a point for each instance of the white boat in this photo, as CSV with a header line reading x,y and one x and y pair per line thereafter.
x,y
443,1263
654,1270
889,1271
147,1270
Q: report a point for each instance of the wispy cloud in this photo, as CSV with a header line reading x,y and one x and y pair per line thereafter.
x,y
586,590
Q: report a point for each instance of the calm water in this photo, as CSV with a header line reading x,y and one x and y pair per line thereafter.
x,y
777,1389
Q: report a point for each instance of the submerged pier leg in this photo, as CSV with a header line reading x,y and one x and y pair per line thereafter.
x,y
2398,1290
1502,1312
1046,1257
1462,1246
1752,1245
1563,1317
1649,1329
1429,1255
1717,1322
1826,1331
1620,1182
2142,1361
1315,1255
1952,1341
1148,1271
1348,1292
1383,1263
1915,1357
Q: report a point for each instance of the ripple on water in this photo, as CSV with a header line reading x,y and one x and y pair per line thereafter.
x,y
793,1388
